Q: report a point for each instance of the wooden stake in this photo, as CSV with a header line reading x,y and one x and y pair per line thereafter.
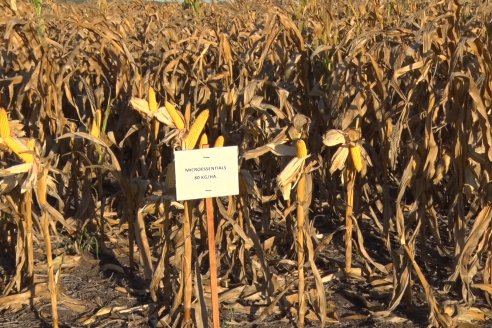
x,y
212,259
187,274
213,262
301,199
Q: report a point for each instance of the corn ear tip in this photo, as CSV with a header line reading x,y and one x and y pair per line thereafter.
x,y
196,129
356,155
301,148
175,116
152,100
219,142
203,139
4,124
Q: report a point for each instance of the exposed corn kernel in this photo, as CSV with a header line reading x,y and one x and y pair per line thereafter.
x,y
4,124
196,129
219,142
301,148
356,155
175,116
203,139
152,101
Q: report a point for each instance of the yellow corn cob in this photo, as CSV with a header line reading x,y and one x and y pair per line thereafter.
x,y
301,148
204,139
356,157
196,129
96,124
20,149
4,124
173,112
219,142
152,101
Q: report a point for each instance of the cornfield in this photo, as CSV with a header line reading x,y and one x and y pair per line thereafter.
x,y
365,154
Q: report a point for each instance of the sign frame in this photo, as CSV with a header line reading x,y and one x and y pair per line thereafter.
x,y
206,173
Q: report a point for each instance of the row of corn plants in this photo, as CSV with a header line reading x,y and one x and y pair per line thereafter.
x,y
374,115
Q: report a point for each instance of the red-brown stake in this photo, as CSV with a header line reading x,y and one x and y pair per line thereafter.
x,y
212,259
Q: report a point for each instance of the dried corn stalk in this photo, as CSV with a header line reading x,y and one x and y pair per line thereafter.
x,y
301,198
349,143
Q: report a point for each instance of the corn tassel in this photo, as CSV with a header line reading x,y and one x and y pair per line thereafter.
x,y
219,142
196,129
175,116
152,101
4,124
355,153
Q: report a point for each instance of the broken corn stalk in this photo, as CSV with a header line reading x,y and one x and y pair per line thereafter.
x,y
196,129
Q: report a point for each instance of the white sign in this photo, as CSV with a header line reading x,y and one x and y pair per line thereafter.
x,y
205,173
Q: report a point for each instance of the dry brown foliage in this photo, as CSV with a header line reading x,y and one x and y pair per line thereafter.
x,y
412,80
